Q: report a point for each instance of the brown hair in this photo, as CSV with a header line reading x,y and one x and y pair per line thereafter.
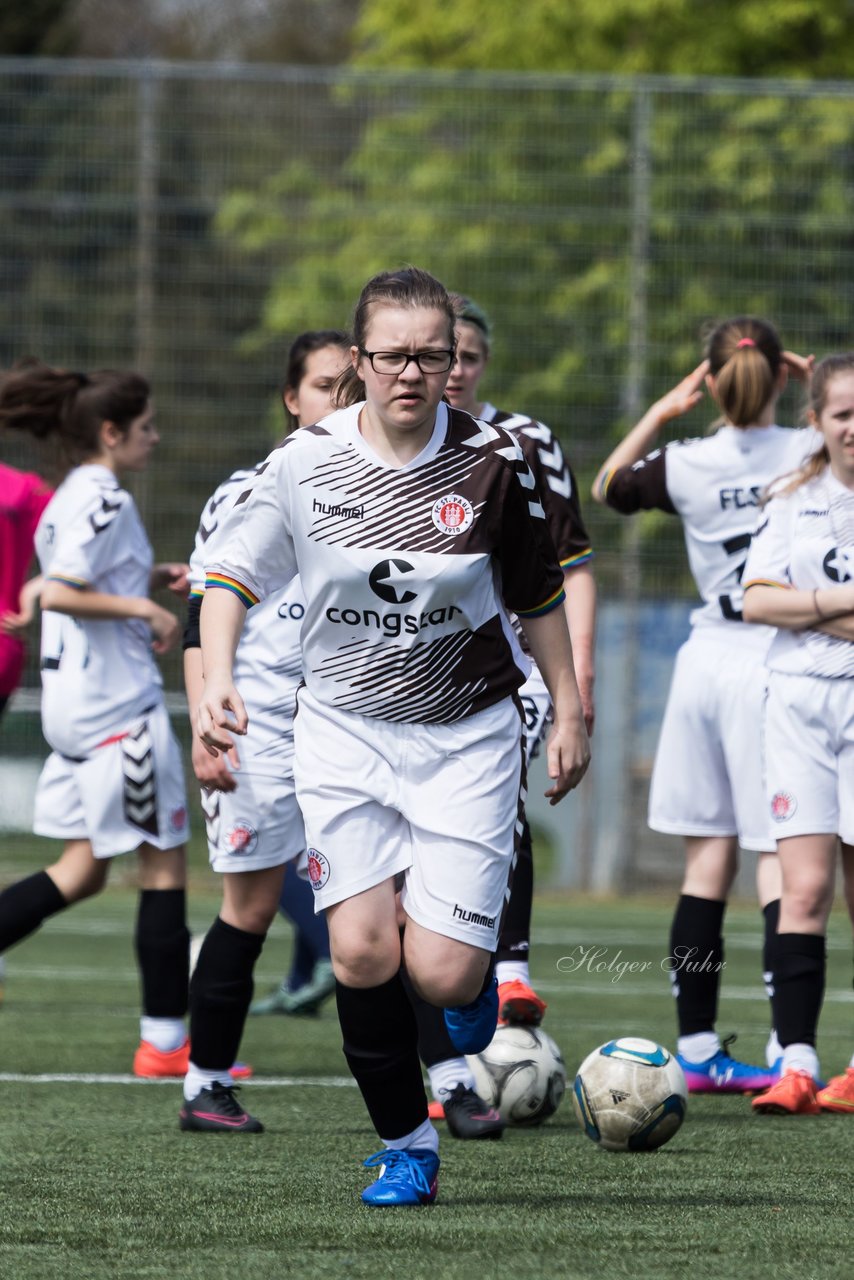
x,y
468,311
408,287
744,357
299,351
70,406
822,376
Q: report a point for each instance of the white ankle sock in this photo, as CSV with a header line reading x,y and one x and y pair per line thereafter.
x,y
699,1047
165,1034
801,1057
507,970
445,1076
197,1078
425,1136
773,1049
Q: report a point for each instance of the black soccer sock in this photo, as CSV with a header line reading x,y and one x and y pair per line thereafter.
x,y
163,952
696,959
799,972
25,905
771,914
381,1047
221,993
515,935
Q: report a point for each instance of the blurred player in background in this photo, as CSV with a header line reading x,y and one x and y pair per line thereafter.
x,y
800,579
254,825
113,783
451,1079
315,360
23,498
707,777
401,517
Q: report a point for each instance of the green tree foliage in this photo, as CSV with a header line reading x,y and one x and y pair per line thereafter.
x,y
797,38
29,27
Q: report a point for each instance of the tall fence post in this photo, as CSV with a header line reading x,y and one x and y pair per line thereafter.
x,y
612,867
147,165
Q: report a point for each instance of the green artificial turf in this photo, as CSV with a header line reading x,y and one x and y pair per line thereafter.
x,y
97,1181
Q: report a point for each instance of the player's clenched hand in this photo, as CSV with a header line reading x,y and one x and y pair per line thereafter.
x,y
214,773
221,712
165,627
683,397
568,755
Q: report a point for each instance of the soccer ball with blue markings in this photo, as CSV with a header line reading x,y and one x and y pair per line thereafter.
x,y
630,1095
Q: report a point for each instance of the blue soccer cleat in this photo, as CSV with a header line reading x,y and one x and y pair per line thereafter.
x,y
472,1026
405,1177
723,1074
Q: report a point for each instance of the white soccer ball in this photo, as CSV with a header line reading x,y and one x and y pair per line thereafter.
x,y
521,1073
630,1095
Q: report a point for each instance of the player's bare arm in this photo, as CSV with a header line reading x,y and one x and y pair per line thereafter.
x,y
171,576
221,711
58,597
824,609
568,751
643,435
580,587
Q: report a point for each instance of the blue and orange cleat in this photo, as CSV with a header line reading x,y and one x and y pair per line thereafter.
x,y
519,1005
472,1026
795,1093
405,1177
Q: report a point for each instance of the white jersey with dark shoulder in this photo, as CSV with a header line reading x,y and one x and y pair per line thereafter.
x,y
407,572
268,662
715,485
805,540
98,676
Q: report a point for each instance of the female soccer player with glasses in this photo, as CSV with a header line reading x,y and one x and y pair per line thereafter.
x,y
414,529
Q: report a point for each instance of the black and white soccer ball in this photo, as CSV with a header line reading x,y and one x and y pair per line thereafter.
x,y
630,1095
521,1073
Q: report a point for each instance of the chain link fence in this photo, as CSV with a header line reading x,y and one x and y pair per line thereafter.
x,y
189,219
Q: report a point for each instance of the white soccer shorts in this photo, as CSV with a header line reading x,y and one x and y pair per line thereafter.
x,y
707,779
438,802
809,754
258,825
539,715
128,792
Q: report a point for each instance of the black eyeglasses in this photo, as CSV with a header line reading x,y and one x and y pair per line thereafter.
x,y
392,362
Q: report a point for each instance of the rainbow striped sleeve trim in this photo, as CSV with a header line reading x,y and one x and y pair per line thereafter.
x,y
767,582
546,607
606,480
197,593
231,584
79,584
572,562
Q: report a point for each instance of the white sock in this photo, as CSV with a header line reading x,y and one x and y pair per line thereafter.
x,y
445,1076
197,1078
801,1057
773,1049
425,1136
507,970
699,1047
165,1034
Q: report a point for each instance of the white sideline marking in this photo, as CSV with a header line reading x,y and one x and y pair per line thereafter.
x,y
265,1082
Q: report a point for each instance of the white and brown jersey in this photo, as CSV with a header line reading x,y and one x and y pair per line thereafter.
x,y
407,572
715,485
805,540
554,480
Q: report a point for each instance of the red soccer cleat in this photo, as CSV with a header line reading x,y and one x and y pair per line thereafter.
x,y
519,1005
794,1094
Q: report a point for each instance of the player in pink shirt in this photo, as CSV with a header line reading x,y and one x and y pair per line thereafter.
x,y
23,497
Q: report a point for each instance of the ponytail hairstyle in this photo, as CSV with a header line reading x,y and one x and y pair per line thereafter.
x,y
300,349
744,357
70,407
467,311
822,376
409,287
